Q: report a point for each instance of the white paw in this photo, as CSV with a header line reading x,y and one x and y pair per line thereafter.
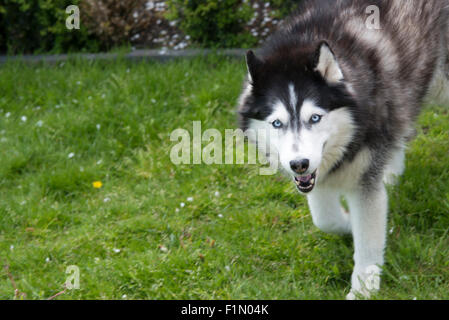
x,y
351,296
358,295
364,282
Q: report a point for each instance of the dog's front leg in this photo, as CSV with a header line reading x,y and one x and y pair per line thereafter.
x,y
327,213
368,208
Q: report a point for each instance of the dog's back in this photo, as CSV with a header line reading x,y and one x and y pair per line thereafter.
x,y
393,63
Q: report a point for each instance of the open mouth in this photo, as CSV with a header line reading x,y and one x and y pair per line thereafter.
x,y
306,183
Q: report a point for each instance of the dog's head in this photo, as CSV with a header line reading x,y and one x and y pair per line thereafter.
x,y
299,98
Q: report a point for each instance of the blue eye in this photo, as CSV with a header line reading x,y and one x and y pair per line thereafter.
x,y
277,124
315,118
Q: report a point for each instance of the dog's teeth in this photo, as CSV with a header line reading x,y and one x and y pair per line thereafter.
x,y
312,181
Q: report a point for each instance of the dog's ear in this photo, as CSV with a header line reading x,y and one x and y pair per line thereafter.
x,y
253,64
326,64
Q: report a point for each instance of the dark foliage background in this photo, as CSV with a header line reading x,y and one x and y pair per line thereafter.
x,y
37,26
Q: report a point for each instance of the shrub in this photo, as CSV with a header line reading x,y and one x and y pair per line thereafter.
x,y
228,23
39,26
214,23
284,7
118,22
34,26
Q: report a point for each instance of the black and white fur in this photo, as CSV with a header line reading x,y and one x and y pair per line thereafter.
x,y
339,100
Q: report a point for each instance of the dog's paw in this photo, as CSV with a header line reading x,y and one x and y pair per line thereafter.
x,y
358,295
364,282
351,296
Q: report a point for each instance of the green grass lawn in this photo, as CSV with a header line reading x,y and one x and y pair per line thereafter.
x,y
244,236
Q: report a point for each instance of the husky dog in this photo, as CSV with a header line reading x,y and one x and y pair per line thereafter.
x,y
338,99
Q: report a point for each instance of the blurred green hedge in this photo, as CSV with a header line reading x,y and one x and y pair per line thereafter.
x,y
221,23
214,23
284,7
37,26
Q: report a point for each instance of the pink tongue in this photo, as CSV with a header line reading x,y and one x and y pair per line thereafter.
x,y
305,178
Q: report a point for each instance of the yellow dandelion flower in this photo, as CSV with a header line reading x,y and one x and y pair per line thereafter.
x,y
97,184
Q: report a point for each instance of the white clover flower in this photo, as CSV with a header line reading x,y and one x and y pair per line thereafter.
x,y
182,204
116,250
190,199
40,123
23,118
71,155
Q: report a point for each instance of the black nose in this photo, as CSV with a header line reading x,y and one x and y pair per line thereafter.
x,y
299,166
